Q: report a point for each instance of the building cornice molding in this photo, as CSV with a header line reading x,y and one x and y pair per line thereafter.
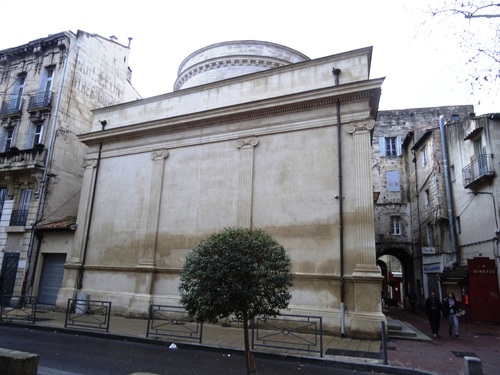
x,y
261,109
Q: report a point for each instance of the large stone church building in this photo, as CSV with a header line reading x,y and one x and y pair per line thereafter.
x,y
256,135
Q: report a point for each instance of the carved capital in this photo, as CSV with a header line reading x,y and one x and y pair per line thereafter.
x,y
159,154
89,163
367,125
247,142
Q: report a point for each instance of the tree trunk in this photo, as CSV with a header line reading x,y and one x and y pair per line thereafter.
x,y
251,368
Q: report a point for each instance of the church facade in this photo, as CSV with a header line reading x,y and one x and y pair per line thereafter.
x,y
254,135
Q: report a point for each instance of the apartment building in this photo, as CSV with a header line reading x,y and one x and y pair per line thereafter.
x,y
48,89
435,179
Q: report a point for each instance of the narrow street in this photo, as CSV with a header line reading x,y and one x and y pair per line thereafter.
x,y
72,354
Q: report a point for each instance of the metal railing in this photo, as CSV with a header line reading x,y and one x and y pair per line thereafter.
x,y
18,217
292,332
480,169
11,107
16,307
173,321
40,100
88,314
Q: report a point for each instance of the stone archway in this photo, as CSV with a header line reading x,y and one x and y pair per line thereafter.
x,y
407,269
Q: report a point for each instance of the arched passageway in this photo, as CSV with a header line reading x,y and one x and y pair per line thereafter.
x,y
397,268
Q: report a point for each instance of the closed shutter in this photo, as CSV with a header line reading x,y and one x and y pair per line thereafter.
x,y
381,146
51,279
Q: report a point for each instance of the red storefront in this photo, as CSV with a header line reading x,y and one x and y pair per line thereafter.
x,y
484,296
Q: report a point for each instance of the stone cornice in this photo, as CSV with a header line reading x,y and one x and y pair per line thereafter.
x,y
261,109
262,62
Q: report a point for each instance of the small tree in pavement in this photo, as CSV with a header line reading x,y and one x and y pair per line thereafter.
x,y
238,273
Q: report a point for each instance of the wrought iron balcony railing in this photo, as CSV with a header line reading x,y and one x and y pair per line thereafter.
x,y
480,169
40,101
11,107
18,217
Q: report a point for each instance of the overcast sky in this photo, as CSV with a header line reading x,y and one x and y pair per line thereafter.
x,y
423,67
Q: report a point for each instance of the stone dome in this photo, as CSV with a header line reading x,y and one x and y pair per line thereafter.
x,y
232,59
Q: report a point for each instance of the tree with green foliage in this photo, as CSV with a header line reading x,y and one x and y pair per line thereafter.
x,y
238,273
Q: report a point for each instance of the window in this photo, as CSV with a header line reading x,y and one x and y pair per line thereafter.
x,y
396,225
427,198
480,153
20,215
459,225
392,181
6,139
16,96
3,195
453,177
46,83
430,235
390,147
35,135
423,153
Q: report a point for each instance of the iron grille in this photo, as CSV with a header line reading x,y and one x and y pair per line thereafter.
x,y
40,100
18,217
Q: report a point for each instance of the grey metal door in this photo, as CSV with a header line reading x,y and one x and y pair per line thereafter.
x,y
8,277
51,278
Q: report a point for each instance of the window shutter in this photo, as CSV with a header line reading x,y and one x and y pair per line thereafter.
x,y
399,147
31,136
3,140
381,146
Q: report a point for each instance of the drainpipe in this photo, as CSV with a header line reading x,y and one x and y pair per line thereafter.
x,y
79,283
336,73
417,196
28,279
451,218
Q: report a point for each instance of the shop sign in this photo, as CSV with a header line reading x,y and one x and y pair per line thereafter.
x,y
432,268
428,250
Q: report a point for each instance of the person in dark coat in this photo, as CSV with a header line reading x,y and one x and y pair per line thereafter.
x,y
450,310
433,309
412,298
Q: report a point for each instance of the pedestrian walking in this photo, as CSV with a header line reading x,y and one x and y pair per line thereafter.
x,y
433,309
451,309
412,297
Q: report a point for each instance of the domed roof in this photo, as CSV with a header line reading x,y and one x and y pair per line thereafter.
x,y
231,59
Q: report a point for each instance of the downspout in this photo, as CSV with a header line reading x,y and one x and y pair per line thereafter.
x,y
451,218
79,283
28,279
417,195
336,73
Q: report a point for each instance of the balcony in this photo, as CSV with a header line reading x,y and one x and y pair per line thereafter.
x,y
41,101
479,170
23,159
18,218
12,108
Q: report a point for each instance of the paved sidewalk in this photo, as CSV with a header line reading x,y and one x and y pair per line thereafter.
x,y
443,356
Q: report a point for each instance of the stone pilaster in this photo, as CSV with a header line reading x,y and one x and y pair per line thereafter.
x,y
366,277
89,176
244,215
366,261
148,256
74,259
